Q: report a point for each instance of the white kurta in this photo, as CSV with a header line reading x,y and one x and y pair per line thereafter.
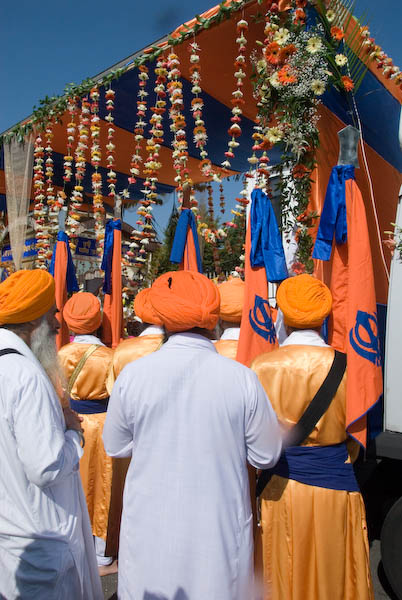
x,y
191,419
46,547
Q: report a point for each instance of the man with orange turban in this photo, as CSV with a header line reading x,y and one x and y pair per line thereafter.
x,y
312,542
86,363
191,419
232,296
46,547
149,340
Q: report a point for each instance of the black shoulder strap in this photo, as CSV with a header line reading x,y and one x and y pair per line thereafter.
x,y
9,351
315,410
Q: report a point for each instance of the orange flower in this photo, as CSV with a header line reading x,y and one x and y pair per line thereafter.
x,y
299,171
337,33
285,76
300,16
347,83
287,51
272,52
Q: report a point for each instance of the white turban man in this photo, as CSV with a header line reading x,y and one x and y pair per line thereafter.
x,y
46,547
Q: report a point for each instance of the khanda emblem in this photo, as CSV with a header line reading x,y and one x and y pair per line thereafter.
x,y
364,339
260,319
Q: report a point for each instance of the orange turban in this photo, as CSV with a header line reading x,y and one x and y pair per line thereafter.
x,y
82,313
305,301
25,296
143,308
185,299
232,296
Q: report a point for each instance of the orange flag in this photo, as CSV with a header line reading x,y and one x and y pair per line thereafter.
x,y
185,247
112,323
62,269
353,325
264,249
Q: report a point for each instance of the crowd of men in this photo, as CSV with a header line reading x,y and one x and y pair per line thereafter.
x,y
143,459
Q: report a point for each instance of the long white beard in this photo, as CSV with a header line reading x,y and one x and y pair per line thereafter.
x,y
43,345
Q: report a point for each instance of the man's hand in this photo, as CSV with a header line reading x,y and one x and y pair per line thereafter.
x,y
72,419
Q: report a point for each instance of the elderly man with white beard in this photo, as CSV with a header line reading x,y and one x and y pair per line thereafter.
x,y
46,547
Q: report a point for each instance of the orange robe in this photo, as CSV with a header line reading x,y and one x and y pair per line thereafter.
x,y
312,543
127,351
96,467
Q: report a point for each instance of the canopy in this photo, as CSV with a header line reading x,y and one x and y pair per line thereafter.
x,y
218,50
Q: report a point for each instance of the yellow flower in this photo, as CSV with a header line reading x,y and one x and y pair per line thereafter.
x,y
281,36
330,15
318,87
274,134
314,45
341,60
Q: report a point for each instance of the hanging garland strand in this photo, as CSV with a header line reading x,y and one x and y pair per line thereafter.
x,y
96,177
40,211
140,124
237,101
53,225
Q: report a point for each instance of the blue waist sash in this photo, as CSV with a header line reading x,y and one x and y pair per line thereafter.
x,y
320,466
89,407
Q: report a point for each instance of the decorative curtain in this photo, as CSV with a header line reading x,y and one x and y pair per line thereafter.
x,y
18,165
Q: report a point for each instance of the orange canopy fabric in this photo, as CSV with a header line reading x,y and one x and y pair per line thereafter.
x,y
82,313
185,299
304,301
232,299
144,309
26,296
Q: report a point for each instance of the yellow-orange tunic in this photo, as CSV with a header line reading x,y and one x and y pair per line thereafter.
x,y
127,351
96,467
227,348
312,544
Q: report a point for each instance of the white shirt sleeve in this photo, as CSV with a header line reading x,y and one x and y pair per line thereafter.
x,y
263,436
118,429
47,452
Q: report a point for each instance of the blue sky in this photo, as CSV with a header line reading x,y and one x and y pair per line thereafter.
x,y
49,43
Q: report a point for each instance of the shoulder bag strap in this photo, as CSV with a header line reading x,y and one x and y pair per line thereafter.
x,y
9,351
315,410
79,366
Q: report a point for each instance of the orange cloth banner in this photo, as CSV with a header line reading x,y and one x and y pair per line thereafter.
x,y
189,262
257,331
353,327
112,323
60,272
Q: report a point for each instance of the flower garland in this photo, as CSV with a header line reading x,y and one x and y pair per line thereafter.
x,y
96,177
110,147
179,143
53,224
139,128
77,197
197,104
71,131
292,73
40,212
221,199
237,100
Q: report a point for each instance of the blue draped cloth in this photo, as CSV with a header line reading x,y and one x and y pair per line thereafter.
x,y
71,279
89,407
185,221
107,259
333,216
266,241
320,466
